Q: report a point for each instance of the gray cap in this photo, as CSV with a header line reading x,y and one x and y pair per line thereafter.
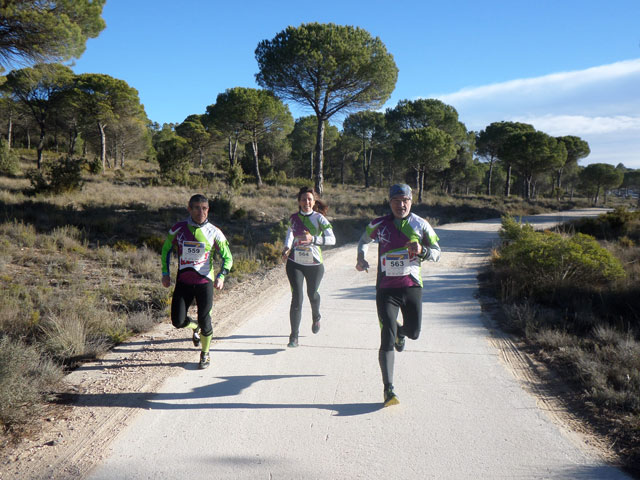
x,y
400,189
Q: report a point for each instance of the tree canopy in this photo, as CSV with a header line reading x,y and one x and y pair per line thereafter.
x,y
427,150
600,176
35,88
34,31
531,153
489,143
252,114
329,68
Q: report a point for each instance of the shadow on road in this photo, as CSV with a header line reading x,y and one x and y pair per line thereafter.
x,y
226,387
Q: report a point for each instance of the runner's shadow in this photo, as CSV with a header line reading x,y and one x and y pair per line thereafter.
x,y
258,352
227,387
247,337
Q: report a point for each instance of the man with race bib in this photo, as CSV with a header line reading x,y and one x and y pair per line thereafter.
x,y
196,241
405,240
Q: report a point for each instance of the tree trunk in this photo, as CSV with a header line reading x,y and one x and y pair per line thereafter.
x,y
233,150
507,183
40,145
122,152
256,165
9,131
559,178
320,156
311,165
73,136
420,184
28,139
490,176
103,146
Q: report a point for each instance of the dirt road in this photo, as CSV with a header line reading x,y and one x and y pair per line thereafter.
x,y
265,411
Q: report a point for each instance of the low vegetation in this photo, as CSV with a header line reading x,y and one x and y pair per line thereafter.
x,y
575,301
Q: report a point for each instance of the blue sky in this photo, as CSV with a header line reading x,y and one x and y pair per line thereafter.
x,y
568,67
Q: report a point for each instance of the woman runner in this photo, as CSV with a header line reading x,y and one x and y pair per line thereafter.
x,y
308,230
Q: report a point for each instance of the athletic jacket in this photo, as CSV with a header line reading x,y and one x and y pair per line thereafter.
x,y
318,226
396,268
196,246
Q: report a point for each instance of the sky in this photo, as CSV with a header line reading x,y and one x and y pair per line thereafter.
x,y
568,67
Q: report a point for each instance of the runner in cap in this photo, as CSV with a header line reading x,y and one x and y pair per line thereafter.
x,y
405,240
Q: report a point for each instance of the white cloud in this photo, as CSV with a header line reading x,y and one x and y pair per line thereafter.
x,y
582,125
599,104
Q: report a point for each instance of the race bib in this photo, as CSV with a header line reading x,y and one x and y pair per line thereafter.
x,y
397,264
303,255
193,251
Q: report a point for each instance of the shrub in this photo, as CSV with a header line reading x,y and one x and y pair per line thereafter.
x,y
94,166
8,160
542,262
279,230
276,178
220,208
153,242
173,158
64,336
235,176
26,377
610,225
244,266
271,253
62,176
239,214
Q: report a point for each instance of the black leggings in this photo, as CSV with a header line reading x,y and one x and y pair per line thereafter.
x,y
389,301
313,275
183,296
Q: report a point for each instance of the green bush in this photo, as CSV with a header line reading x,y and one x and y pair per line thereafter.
x,y
64,175
276,178
279,230
94,166
8,160
543,262
235,176
220,208
611,225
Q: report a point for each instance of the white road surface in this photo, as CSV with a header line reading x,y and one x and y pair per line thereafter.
x,y
263,411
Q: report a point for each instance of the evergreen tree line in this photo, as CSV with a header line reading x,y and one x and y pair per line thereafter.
x,y
250,133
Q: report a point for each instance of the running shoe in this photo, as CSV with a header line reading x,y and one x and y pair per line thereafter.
x,y
315,326
399,344
196,337
293,342
205,360
390,398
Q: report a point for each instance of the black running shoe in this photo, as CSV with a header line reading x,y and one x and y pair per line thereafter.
x,y
196,337
390,398
293,342
399,345
315,326
205,360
